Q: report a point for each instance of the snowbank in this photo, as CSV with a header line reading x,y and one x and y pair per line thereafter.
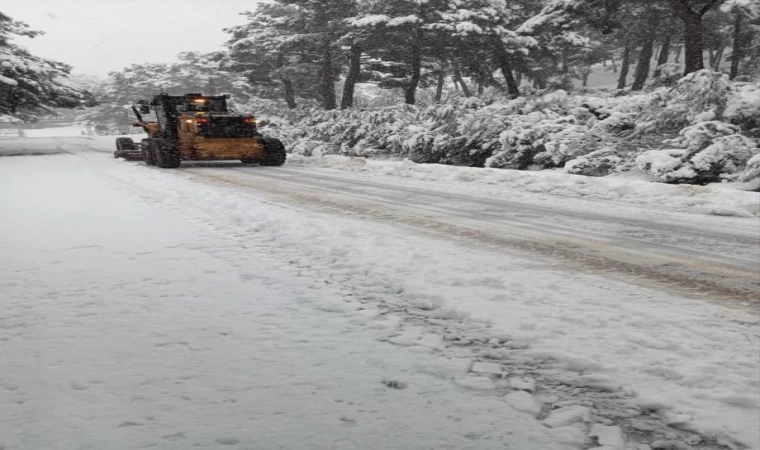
x,y
29,146
586,134
714,199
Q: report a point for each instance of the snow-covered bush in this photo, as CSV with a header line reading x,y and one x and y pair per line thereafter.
x,y
698,97
712,151
750,175
699,131
662,163
743,108
525,138
698,137
596,164
726,155
668,76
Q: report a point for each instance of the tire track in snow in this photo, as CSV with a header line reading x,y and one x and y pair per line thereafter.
x,y
568,391
639,261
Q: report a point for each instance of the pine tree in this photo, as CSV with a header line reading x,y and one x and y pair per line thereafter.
x,y
270,51
401,35
29,83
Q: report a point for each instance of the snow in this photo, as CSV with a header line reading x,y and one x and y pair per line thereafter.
x,y
5,118
405,20
749,7
609,437
523,401
701,199
567,416
166,310
8,81
370,20
121,334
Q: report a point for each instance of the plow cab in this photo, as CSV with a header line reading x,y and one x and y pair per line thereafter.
x,y
194,127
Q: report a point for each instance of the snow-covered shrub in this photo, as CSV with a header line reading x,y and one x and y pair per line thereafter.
x,y
669,75
476,137
698,97
308,147
726,155
569,143
596,164
668,165
750,174
705,115
698,137
712,150
743,108
524,139
281,128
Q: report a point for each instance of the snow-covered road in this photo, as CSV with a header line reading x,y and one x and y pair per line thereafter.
x,y
302,307
716,257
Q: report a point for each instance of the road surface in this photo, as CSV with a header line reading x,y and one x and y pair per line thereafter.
x,y
230,306
719,258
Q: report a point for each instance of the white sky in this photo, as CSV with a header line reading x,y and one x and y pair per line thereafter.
x,y
99,36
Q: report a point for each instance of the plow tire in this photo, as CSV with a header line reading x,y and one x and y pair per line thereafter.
x,y
274,152
167,156
125,144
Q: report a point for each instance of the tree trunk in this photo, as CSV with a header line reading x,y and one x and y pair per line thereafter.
x,y
290,96
518,78
481,80
458,80
718,59
677,58
645,55
354,71
624,65
439,85
506,67
693,33
694,46
410,92
586,73
614,65
738,51
327,85
664,55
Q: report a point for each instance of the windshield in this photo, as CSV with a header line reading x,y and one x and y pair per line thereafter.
x,y
202,104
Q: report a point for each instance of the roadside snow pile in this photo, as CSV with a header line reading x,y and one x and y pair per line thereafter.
x,y
713,200
29,146
5,118
715,121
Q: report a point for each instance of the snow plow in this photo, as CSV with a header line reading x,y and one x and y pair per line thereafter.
x,y
196,127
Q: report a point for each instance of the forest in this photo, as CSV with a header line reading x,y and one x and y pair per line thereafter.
x,y
669,88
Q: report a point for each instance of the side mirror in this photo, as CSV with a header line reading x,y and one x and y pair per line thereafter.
x,y
144,109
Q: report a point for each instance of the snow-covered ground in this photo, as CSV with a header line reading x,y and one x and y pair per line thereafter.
x,y
215,306
713,199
